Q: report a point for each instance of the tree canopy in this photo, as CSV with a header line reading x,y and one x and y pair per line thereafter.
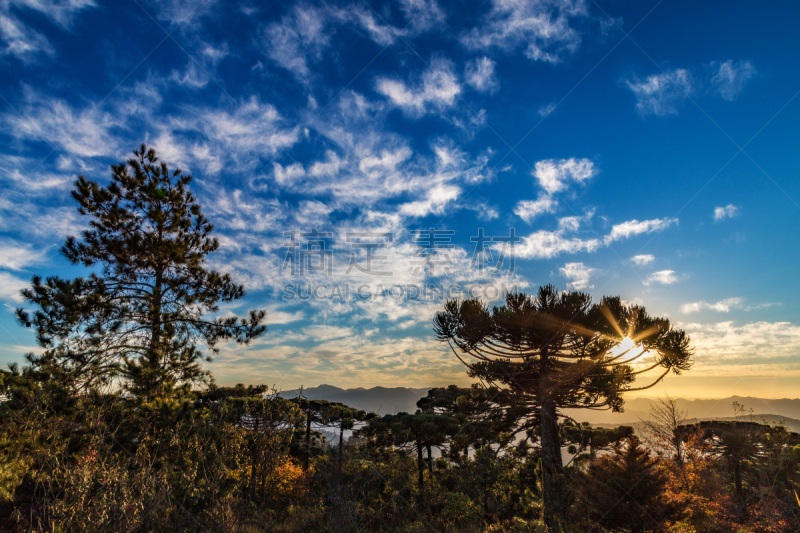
x,y
141,312
559,350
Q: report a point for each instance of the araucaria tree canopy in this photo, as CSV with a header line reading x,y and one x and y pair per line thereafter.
x,y
140,313
559,350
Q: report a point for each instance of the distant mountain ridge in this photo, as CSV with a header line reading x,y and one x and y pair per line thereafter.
x,y
388,400
381,400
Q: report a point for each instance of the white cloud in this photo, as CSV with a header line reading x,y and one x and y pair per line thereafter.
x,y
438,198
723,306
10,287
578,275
183,11
644,259
729,211
554,174
660,94
663,277
548,244
82,133
16,256
544,26
729,78
437,90
479,74
528,210
631,228
547,109
301,35
26,43
750,349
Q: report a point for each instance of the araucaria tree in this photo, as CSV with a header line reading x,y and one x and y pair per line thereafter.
x,y
558,350
139,315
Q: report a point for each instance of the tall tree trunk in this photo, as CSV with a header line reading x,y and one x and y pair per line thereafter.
x,y
341,437
552,465
430,460
420,467
254,459
308,438
154,353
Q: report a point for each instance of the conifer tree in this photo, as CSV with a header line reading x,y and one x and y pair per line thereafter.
x,y
624,491
557,350
140,313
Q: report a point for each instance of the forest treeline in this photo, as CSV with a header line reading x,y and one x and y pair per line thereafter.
x,y
117,425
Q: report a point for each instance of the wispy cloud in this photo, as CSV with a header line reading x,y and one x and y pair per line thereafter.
x,y
301,36
26,43
10,287
729,78
723,306
728,211
554,176
528,210
634,227
578,275
543,28
545,244
660,94
479,74
753,348
662,277
16,256
644,259
436,91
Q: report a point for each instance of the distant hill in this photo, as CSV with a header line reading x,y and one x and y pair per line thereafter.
x,y
637,409
381,400
385,400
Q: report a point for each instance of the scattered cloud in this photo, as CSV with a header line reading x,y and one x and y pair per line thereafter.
x,y
10,287
729,211
22,41
633,227
578,275
723,306
16,256
554,175
660,94
545,244
479,74
528,210
754,348
301,36
729,78
436,91
644,259
544,28
547,109
662,277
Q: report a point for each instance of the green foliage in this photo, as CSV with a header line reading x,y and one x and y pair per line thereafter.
x,y
624,491
555,350
139,315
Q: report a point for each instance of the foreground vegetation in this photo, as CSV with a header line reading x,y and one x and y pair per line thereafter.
x,y
116,425
231,459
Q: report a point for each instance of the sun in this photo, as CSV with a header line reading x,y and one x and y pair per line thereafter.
x,y
626,344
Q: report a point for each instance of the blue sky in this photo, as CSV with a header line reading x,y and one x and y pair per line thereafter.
x,y
640,149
